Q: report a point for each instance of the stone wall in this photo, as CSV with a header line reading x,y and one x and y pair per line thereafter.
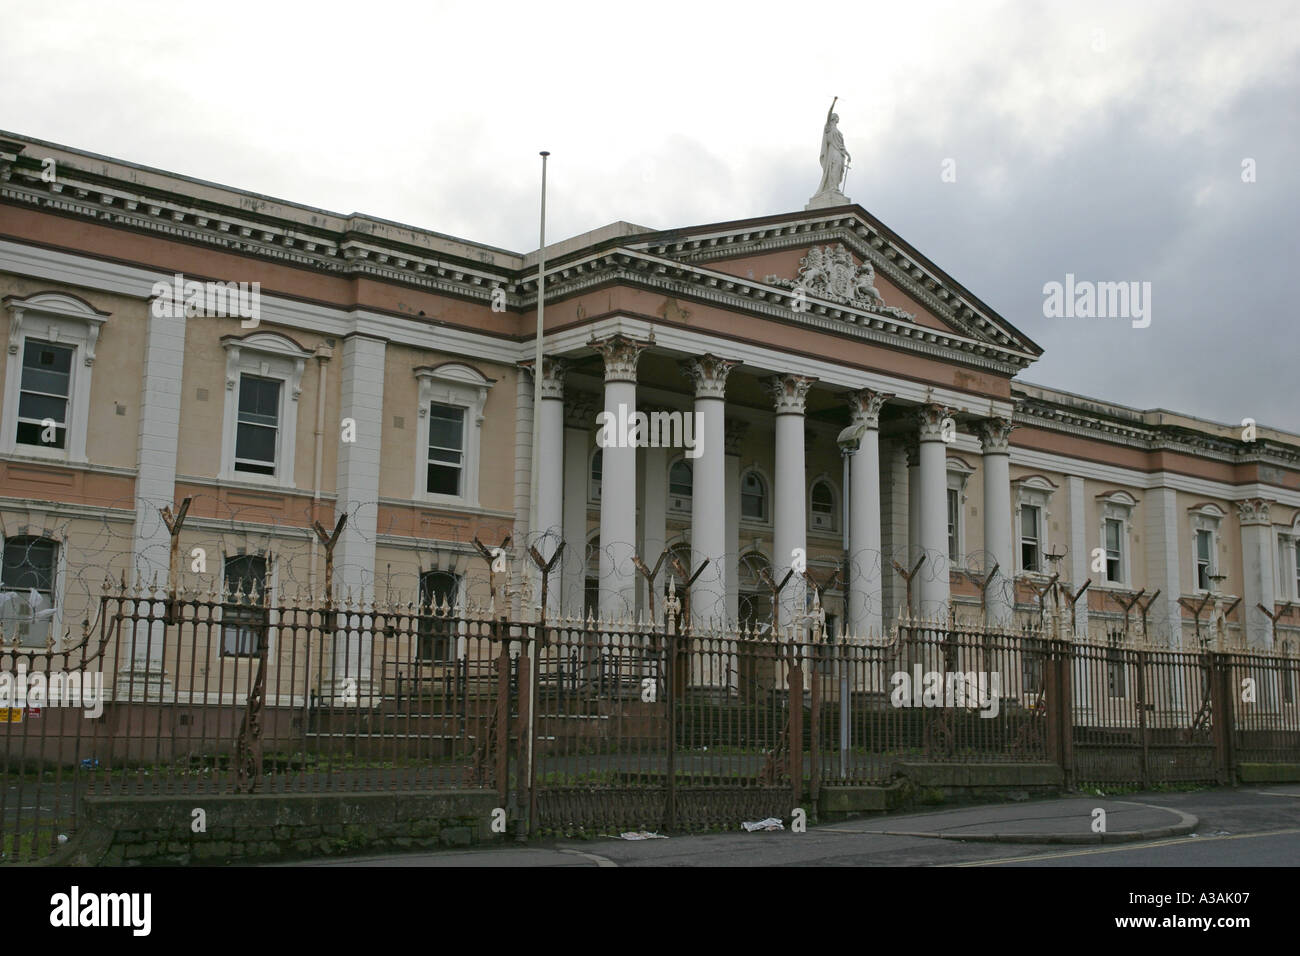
x,y
262,828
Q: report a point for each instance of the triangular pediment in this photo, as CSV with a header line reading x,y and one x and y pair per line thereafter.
x,y
842,257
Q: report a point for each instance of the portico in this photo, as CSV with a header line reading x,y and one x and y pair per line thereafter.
x,y
770,439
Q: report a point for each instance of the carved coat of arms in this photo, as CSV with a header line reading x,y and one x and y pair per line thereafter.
x,y
828,272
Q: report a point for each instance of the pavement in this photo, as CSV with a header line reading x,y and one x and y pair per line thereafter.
x,y
1051,821
1218,827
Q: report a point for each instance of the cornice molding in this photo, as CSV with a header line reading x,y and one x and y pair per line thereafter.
x,y
1148,438
348,253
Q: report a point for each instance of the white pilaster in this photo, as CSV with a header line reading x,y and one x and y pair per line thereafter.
x,y
1258,588
1163,561
155,488
361,399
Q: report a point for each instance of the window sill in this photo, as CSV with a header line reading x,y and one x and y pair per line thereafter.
x,y
41,453
254,480
444,501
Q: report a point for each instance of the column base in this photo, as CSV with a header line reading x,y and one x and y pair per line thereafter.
x,y
143,683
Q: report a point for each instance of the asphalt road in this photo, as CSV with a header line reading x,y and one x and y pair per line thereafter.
x,y
1258,826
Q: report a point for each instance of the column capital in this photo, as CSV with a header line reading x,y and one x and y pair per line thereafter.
x,y
734,432
929,421
580,410
1254,511
709,373
789,392
995,435
865,406
553,372
620,353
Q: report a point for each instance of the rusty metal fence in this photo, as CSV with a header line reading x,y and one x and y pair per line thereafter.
x,y
632,725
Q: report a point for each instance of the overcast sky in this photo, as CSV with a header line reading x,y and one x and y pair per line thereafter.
x,y
1103,140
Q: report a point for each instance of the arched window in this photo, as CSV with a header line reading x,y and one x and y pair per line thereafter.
x,y
823,506
680,484
753,496
593,492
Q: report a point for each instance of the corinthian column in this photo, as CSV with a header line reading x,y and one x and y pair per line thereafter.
x,y
933,512
708,492
790,531
865,561
995,439
618,477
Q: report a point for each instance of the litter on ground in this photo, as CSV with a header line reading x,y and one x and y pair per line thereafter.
x,y
641,835
771,823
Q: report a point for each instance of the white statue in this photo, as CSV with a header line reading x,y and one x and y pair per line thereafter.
x,y
834,157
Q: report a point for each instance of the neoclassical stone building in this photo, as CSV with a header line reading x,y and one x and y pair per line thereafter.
x,y
854,407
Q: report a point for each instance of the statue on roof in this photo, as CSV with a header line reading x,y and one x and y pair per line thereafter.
x,y
835,164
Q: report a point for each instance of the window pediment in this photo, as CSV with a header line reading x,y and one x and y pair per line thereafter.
x,y
1118,498
64,316
265,352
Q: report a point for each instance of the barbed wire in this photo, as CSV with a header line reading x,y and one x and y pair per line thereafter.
x,y
110,545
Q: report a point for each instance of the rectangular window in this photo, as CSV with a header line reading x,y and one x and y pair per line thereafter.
x,y
27,588
438,590
953,505
1204,559
257,429
446,449
1030,541
1114,550
244,619
43,394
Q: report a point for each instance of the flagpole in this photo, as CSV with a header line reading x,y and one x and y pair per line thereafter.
x,y
532,497
537,352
